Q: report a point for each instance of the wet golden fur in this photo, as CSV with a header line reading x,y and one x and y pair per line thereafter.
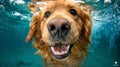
x,y
79,35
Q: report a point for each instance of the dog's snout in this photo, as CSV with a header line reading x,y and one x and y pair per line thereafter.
x,y
58,27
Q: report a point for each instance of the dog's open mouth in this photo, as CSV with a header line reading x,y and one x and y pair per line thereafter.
x,y
60,51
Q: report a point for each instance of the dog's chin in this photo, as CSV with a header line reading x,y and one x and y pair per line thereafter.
x,y
60,51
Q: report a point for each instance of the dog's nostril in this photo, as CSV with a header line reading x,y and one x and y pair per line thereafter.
x,y
65,27
52,27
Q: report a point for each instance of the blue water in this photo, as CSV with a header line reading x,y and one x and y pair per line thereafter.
x,y
104,51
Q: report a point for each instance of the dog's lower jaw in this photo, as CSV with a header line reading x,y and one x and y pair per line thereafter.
x,y
74,59
66,63
71,61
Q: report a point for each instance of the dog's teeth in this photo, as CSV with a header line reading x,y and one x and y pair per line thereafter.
x,y
68,47
65,52
60,53
57,53
53,50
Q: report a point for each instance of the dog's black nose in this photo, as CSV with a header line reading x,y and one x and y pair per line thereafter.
x,y
58,27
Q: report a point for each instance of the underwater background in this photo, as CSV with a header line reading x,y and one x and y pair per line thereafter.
x,y
104,51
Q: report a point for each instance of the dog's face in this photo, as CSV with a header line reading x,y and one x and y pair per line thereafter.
x,y
60,25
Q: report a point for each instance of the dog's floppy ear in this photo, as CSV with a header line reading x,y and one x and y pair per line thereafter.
x,y
87,25
33,26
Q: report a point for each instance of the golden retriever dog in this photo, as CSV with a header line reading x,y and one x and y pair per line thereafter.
x,y
61,33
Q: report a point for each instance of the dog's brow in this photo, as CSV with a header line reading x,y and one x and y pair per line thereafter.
x,y
70,6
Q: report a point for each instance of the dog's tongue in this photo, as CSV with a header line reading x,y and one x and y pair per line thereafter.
x,y
60,48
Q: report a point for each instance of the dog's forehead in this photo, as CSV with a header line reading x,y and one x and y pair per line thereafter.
x,y
57,4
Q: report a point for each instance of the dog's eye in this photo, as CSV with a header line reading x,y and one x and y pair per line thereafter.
x,y
73,12
47,14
